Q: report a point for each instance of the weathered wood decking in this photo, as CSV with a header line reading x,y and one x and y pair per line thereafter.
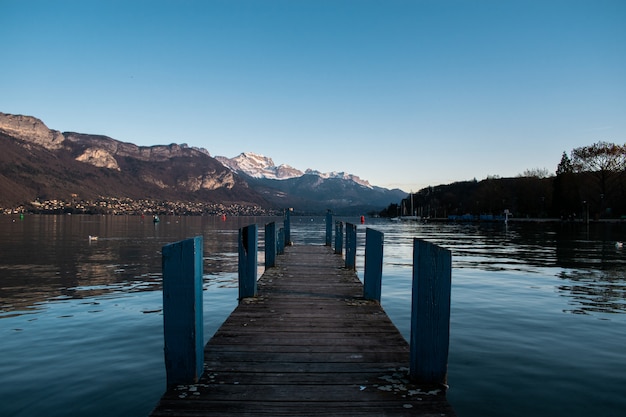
x,y
307,345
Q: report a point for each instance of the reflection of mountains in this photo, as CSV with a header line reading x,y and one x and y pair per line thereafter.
x,y
90,274
50,258
96,276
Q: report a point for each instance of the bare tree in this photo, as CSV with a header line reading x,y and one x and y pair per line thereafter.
x,y
606,161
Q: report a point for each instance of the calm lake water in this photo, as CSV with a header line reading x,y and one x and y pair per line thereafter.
x,y
538,310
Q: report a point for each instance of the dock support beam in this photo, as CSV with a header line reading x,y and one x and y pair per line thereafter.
x,y
182,311
430,313
338,237
329,227
248,247
350,246
372,276
270,245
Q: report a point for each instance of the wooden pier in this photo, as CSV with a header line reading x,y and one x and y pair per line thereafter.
x,y
308,344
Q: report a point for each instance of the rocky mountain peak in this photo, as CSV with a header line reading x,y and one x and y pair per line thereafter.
x,y
30,130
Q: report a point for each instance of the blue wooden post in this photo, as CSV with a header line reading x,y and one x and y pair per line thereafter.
x,y
270,245
280,243
350,246
430,312
248,246
339,238
372,278
287,225
329,227
182,311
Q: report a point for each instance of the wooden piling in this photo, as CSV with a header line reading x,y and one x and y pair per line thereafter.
x,y
287,226
372,276
248,248
182,311
280,243
338,237
350,246
270,245
307,345
329,227
430,312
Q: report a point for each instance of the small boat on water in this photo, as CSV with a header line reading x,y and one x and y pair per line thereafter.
x,y
91,238
155,219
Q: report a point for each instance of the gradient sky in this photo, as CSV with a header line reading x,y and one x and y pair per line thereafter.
x,y
403,93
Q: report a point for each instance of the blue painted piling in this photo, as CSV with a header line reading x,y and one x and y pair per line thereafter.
x,y
270,245
329,227
372,276
280,242
182,311
350,246
338,238
287,225
248,247
430,312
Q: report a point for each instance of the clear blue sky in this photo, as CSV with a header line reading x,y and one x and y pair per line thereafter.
x,y
403,93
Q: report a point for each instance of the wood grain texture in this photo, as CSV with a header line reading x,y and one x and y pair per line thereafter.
x,y
307,345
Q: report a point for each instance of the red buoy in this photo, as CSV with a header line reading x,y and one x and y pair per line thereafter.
x,y
362,219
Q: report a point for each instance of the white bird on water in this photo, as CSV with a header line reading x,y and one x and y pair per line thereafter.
x,y
619,245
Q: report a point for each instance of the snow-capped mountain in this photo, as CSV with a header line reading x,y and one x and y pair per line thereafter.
x,y
339,175
310,191
259,166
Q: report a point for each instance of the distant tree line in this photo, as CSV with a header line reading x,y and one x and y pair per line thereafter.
x,y
590,182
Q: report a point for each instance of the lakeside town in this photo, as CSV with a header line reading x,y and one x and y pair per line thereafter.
x,y
127,206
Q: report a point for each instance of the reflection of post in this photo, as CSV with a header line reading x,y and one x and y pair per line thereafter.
x,y
248,247
430,312
182,311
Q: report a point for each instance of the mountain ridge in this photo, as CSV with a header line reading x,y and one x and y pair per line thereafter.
x,y
259,166
42,163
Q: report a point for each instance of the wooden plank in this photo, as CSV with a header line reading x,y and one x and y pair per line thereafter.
x,y
308,344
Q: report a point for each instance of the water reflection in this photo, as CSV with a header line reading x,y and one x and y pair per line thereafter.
x,y
50,257
594,291
44,258
586,259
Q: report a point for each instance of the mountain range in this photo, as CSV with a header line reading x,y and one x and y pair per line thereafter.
x,y
45,164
